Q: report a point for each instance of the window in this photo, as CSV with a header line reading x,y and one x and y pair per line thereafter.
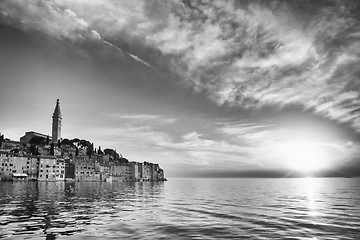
x,y
40,175
47,176
41,170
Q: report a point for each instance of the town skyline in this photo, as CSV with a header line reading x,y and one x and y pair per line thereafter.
x,y
219,89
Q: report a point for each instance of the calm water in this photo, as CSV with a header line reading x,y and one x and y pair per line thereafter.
x,y
182,209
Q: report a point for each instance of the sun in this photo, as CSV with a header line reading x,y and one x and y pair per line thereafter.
x,y
306,157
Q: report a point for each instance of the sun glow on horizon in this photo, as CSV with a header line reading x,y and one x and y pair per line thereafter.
x,y
304,156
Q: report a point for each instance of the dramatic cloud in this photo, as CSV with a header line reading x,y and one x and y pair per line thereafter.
x,y
246,56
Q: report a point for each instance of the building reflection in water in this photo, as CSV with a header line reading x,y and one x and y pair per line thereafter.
x,y
51,209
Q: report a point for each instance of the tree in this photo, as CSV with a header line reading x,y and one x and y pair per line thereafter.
x,y
123,160
84,143
99,151
52,150
76,142
37,153
77,152
90,150
47,140
32,149
1,140
66,141
112,153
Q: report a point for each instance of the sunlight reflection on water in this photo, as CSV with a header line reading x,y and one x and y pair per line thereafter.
x,y
308,208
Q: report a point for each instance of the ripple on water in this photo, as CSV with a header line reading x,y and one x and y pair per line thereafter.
x,y
182,209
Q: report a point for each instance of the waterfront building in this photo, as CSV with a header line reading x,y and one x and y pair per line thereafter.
x,y
19,164
117,173
146,171
127,172
161,176
32,167
85,169
56,123
69,170
134,171
60,169
141,171
12,164
154,172
5,167
47,168
105,173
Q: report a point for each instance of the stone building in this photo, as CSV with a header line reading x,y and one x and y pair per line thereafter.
x,y
161,176
47,168
60,170
6,165
85,169
29,135
127,172
136,171
146,171
10,165
32,165
69,170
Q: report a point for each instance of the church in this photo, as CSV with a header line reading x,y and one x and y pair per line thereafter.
x,y
56,128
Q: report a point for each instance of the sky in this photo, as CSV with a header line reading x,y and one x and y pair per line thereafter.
x,y
204,88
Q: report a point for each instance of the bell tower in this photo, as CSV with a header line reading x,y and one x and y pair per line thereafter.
x,y
56,123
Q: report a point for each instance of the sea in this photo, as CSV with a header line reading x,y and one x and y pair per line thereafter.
x,y
243,208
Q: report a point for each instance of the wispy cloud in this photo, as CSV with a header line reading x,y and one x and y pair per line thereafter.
x,y
245,54
142,117
55,19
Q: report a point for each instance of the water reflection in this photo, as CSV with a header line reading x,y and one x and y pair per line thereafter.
x,y
311,186
182,209
51,209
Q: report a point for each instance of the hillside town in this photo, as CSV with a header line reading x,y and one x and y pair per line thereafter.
x,y
40,157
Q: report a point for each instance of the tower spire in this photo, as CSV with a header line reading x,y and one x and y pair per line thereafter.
x,y
56,123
